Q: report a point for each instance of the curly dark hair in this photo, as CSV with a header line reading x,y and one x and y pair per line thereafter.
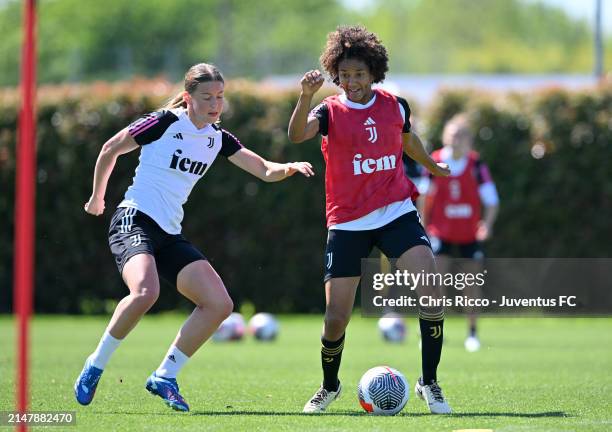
x,y
354,42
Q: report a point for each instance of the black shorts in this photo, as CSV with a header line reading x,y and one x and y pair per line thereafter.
x,y
471,250
345,249
132,232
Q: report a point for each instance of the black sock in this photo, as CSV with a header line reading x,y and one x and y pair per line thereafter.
x,y
432,334
331,354
473,331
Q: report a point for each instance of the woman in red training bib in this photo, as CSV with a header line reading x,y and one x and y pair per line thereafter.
x,y
452,210
369,201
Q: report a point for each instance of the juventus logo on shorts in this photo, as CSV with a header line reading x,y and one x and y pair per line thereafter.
x,y
211,142
330,260
136,240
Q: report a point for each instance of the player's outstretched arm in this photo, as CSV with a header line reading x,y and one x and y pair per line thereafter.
x,y
413,147
268,171
301,126
485,226
120,144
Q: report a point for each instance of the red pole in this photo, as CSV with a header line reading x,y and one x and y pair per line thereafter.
x,y
25,203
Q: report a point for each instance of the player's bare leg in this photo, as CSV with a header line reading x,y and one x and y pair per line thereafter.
x,y
199,282
472,266
140,275
340,297
431,322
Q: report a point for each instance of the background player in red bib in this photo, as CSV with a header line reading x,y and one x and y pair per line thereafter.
x,y
368,198
452,208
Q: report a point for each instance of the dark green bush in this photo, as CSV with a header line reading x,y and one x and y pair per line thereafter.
x,y
267,240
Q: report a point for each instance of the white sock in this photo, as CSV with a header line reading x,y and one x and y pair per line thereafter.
x,y
172,363
106,348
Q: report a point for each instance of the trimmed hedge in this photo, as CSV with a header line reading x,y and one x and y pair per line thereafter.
x,y
267,240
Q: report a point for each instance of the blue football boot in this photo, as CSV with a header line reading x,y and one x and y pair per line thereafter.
x,y
86,384
168,390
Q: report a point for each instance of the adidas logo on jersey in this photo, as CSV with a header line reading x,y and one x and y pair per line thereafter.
x,y
186,164
371,129
368,166
178,136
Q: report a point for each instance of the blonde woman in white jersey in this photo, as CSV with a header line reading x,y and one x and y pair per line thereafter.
x,y
178,145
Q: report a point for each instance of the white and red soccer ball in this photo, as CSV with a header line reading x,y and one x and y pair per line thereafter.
x,y
263,326
392,328
383,391
231,329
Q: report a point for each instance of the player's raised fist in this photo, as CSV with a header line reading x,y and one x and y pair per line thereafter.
x,y
311,82
95,206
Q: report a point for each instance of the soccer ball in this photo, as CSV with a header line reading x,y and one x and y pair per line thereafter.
x,y
232,328
383,391
392,328
263,326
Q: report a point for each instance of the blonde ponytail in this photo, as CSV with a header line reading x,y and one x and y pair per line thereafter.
x,y
176,102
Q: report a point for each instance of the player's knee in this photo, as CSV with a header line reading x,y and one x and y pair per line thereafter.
x,y
146,297
336,322
225,307
416,259
220,307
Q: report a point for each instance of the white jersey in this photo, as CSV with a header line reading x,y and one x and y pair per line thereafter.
x,y
173,157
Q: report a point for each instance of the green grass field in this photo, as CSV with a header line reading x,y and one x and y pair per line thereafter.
x,y
532,374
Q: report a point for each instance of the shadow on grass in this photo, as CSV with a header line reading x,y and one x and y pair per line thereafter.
x,y
511,414
359,414
341,414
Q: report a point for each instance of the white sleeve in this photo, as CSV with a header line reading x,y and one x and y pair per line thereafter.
x,y
488,194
